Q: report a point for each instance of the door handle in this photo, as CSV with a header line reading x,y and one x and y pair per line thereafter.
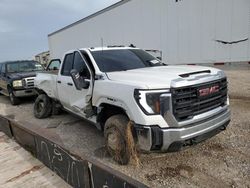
x,y
59,82
70,84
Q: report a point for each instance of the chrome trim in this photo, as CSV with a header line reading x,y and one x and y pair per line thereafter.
x,y
197,79
171,135
170,118
29,82
172,122
181,134
145,139
25,93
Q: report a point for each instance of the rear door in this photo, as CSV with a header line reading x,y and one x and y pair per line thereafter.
x,y
65,82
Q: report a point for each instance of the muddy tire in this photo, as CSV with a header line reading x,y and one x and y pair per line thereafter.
x,y
42,107
13,99
115,138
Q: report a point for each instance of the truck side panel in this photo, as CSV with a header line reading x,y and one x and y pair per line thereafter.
x,y
47,82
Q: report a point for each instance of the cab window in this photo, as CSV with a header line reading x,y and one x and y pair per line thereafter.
x,y
3,69
80,66
67,64
54,65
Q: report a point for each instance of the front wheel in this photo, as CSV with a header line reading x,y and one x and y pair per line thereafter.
x,y
115,138
13,99
42,106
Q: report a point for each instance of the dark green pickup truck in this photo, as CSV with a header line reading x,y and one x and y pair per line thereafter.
x,y
17,79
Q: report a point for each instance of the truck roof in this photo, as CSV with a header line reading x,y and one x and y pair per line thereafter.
x,y
109,48
22,61
93,49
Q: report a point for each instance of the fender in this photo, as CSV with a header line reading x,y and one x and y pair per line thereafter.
x,y
114,102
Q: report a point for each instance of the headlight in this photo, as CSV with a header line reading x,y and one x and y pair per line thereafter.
x,y
149,100
17,83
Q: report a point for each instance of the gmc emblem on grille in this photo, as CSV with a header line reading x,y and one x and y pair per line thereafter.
x,y
208,91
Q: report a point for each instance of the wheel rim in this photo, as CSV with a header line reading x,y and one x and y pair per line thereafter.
x,y
40,106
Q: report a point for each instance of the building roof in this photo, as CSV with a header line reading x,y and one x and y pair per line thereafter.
x,y
119,3
46,52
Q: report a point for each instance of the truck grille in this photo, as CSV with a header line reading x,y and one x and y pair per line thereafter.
x,y
197,99
29,82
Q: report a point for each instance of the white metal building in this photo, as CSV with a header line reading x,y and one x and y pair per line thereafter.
x,y
186,31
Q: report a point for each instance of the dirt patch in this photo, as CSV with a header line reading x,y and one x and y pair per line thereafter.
x,y
3,139
166,172
134,159
17,148
101,153
73,122
216,147
239,97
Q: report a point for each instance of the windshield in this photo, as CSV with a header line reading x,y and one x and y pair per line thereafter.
x,y
26,66
124,59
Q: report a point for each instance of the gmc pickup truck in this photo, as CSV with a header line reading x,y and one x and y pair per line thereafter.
x,y
17,79
169,106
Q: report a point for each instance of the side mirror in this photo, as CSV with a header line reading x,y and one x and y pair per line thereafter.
x,y
80,82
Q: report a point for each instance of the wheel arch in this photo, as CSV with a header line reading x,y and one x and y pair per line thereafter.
x,y
9,87
107,110
40,91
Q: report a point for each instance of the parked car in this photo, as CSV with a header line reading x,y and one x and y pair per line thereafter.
x,y
17,79
169,106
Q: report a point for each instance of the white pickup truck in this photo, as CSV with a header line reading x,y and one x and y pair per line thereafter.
x,y
169,106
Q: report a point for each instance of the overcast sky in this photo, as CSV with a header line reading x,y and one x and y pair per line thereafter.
x,y
25,24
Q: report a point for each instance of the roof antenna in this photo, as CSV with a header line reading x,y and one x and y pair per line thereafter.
x,y
132,45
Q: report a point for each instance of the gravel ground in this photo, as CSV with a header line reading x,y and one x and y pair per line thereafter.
x,y
223,161
239,83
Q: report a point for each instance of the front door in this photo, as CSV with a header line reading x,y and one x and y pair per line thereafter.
x,y
71,98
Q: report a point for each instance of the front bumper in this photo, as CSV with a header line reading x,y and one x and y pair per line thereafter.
x,y
173,139
25,92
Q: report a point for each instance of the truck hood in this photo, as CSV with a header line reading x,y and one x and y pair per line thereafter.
x,y
21,75
166,76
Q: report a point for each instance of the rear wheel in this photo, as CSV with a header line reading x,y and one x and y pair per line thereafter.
x,y
13,99
115,138
42,106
